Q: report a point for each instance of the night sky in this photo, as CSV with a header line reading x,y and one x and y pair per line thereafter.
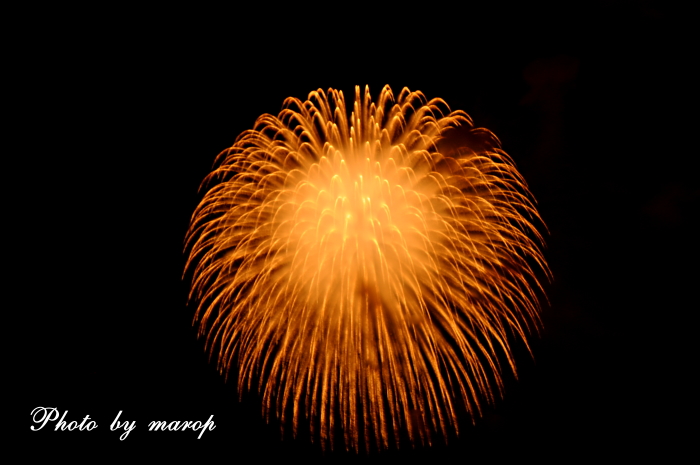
x,y
126,121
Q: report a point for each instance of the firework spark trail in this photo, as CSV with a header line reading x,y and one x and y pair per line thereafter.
x,y
354,273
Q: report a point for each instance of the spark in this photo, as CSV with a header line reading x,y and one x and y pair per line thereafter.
x,y
359,273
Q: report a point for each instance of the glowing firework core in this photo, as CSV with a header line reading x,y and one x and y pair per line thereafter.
x,y
354,273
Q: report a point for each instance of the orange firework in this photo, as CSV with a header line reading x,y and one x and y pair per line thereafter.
x,y
360,276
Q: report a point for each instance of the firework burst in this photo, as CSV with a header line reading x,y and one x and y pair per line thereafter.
x,y
363,279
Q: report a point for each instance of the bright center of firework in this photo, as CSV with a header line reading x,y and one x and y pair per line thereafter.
x,y
353,226
353,272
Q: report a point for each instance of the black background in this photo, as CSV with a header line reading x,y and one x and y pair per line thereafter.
x,y
125,117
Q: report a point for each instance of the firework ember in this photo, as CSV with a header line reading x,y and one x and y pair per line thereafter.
x,y
366,279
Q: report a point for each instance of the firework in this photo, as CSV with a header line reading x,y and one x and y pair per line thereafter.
x,y
363,277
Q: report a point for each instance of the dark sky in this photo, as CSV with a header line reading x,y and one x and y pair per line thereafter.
x,y
125,122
